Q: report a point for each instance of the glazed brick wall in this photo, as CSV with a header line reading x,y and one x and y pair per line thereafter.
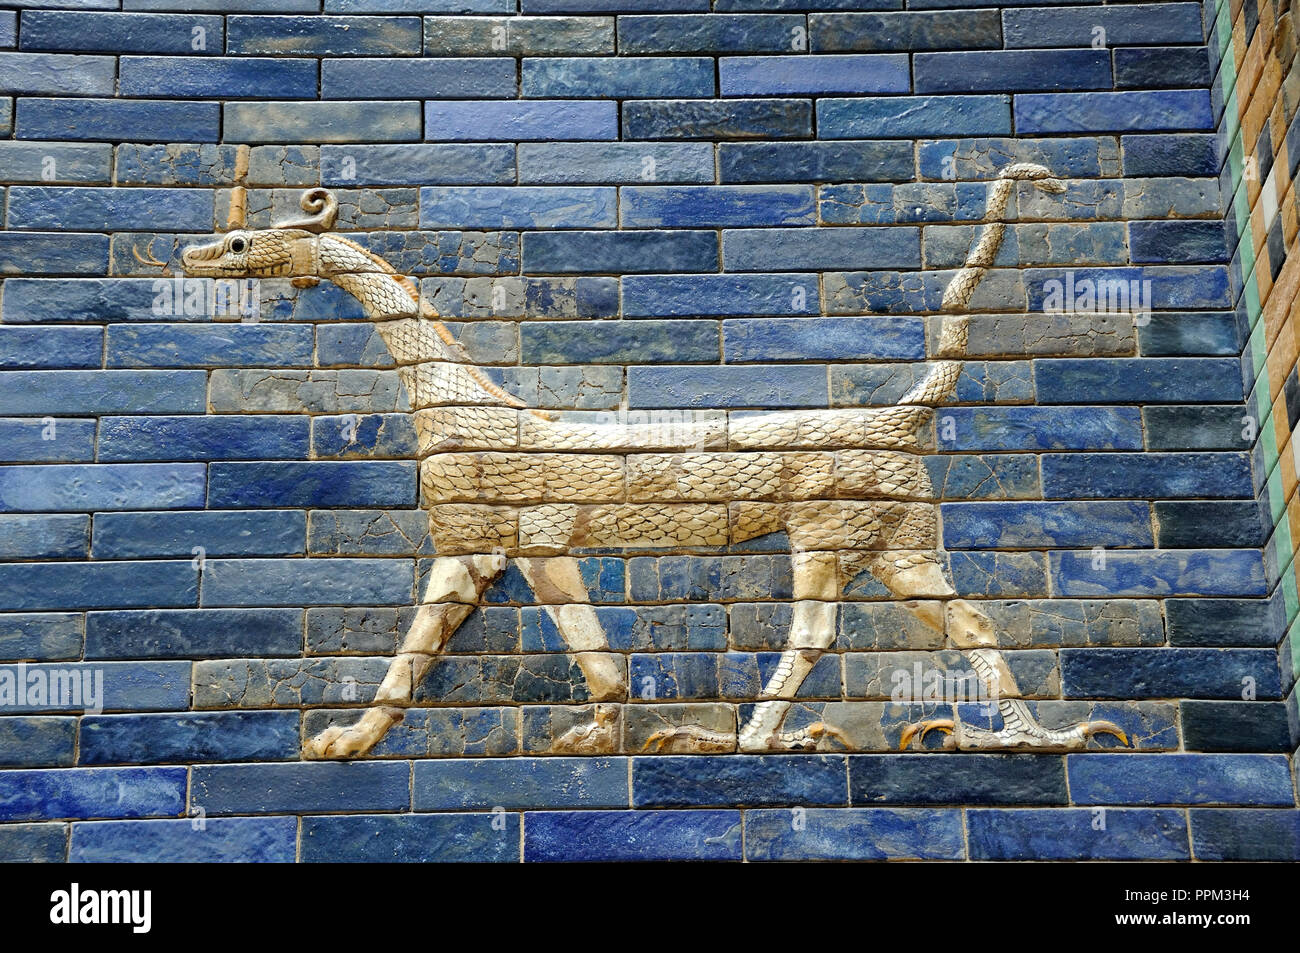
x,y
639,205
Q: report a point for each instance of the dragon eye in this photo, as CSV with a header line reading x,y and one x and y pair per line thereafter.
x,y
237,245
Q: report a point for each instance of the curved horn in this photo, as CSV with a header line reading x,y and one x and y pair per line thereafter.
x,y
321,206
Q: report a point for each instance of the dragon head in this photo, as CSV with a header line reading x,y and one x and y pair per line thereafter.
x,y
285,250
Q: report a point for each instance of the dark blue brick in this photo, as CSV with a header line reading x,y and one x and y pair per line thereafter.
x,y
317,483
259,437
610,6
1176,241
969,779
224,345
1149,475
1132,380
1162,67
749,781
1209,525
55,253
619,252
411,838
1041,428
1127,25
1198,427
145,686
51,347
1189,155
1011,71
242,78
804,339
252,533
95,209
632,835
717,206
121,32
717,119
47,635
854,834
914,116
619,342
999,574
1045,525
685,295
802,385
461,78
33,843
119,120
193,633
297,582
883,161
817,75
1226,622
484,783
905,32
189,737
1180,779
1167,673
24,440
1077,834
625,77
518,121
40,741
323,36
30,586
1173,110
1236,726
1245,834
220,840
43,537
819,249
307,787
92,792
105,300
713,33
1183,288
101,486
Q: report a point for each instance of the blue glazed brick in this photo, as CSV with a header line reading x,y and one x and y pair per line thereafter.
x,y
1236,726
1043,525
1167,673
45,74
317,483
40,741
717,119
411,838
43,537
682,295
906,32
854,834
883,161
224,345
1190,155
119,120
1156,67
56,253
9,29
970,779
801,74
51,347
1011,71
56,162
1176,241
1226,525
619,252
203,438
1127,25
801,339
1169,572
1262,779
374,435
1078,834
758,781
1130,380
122,32
279,582
1226,622
714,33
484,783
193,633
92,792
914,116
607,162
102,300
526,36
1245,834
716,206
33,843
31,440
147,686
697,578
999,574
1195,333
253,533
819,249
410,164
1169,110
189,737
322,121
243,78
632,835
788,386
981,158
596,342
101,487
428,79
1041,428
610,6
1149,475
323,36
519,121
59,207
627,77
518,207
44,635
220,840
307,787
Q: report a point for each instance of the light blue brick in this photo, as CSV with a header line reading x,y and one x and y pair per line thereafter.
x,y
102,486
94,392
119,120
50,347
625,77
322,121
802,385
1074,834
613,162
814,75
44,74
140,686
67,162
43,537
518,207
1174,110
222,840
92,792
1040,428
242,78
96,209
484,783
683,295
1257,779
227,344
189,633
33,440
462,78
820,249
1082,157
1044,525
520,121
252,533
121,32
105,300
620,252
874,118
1184,288
1178,572
54,253
825,339
415,164
9,29
298,582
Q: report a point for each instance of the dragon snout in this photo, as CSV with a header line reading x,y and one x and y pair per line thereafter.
x,y
198,258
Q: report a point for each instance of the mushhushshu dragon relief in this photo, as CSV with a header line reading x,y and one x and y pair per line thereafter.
x,y
502,481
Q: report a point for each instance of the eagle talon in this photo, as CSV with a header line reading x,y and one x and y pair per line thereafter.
x,y
922,728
